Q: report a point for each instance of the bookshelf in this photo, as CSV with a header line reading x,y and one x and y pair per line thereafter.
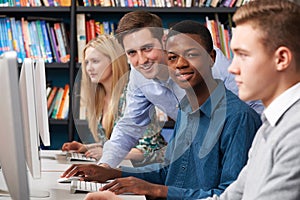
x,y
64,130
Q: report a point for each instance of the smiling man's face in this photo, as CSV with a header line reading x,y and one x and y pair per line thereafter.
x,y
145,53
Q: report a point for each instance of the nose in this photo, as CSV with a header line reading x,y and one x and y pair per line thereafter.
x,y
233,67
141,57
89,67
181,63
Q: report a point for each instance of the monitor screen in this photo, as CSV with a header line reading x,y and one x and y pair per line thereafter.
x,y
28,101
41,101
12,154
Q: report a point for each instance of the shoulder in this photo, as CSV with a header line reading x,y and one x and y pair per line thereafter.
x,y
238,109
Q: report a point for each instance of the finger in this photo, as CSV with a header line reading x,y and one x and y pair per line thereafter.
x,y
68,170
72,171
65,147
108,185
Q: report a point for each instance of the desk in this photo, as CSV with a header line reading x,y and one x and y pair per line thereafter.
x,y
53,164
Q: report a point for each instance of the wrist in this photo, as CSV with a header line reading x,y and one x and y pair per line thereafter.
x,y
104,165
160,191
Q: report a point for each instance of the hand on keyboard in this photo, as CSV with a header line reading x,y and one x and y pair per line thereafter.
x,y
68,180
74,156
85,186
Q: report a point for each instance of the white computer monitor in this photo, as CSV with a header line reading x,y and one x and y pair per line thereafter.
x,y
31,129
12,153
41,101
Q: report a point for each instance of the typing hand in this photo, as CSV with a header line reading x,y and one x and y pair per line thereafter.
x,y
92,172
136,186
105,195
95,152
75,146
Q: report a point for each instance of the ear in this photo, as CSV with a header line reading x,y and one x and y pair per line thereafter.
x,y
283,56
213,57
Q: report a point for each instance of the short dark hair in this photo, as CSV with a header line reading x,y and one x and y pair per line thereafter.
x,y
193,27
135,20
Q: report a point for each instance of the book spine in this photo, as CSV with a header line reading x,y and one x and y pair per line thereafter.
x,y
41,36
81,35
51,42
25,34
51,97
59,114
57,102
63,54
46,42
65,37
15,40
21,40
57,53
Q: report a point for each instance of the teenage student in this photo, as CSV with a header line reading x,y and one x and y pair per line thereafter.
x,y
105,73
267,67
149,82
213,132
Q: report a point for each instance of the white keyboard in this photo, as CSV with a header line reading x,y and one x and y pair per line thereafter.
x,y
85,186
74,156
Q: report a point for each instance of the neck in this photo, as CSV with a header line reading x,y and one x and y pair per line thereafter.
x,y
200,93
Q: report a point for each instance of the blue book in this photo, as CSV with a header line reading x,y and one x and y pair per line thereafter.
x,y
20,40
46,42
15,39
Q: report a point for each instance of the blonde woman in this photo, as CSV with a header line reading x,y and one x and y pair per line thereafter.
x,y
104,82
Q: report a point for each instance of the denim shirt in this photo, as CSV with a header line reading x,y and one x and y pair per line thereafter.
x,y
141,97
208,149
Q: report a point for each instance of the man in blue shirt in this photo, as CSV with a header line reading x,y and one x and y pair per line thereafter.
x,y
149,83
214,129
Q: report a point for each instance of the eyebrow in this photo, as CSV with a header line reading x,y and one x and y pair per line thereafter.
x,y
141,47
185,51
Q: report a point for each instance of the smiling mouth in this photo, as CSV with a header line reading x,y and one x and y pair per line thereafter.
x,y
146,66
184,76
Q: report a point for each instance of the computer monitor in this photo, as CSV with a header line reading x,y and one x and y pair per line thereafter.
x,y
12,154
31,128
41,101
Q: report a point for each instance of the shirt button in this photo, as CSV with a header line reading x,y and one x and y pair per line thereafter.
x,y
183,167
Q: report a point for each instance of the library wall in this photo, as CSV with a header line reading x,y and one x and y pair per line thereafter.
x,y
57,30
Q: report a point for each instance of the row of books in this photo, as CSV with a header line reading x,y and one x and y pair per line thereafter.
x,y
35,39
90,28
221,34
58,102
163,3
34,3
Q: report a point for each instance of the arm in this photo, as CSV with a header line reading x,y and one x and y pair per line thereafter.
x,y
235,141
141,97
131,126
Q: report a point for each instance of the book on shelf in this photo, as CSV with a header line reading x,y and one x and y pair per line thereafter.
x,y
49,55
51,96
41,40
81,35
25,33
52,43
64,57
58,99
55,45
65,37
63,103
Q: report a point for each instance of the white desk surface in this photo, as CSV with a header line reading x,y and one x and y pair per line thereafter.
x,y
53,164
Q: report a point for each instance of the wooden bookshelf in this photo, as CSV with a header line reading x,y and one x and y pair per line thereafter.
x,y
69,15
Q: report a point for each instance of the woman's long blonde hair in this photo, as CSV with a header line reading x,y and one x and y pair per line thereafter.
x,y
93,93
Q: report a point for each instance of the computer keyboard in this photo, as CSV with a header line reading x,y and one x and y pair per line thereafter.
x,y
85,186
74,156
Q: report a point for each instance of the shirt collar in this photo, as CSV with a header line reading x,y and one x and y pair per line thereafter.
x,y
281,104
210,105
